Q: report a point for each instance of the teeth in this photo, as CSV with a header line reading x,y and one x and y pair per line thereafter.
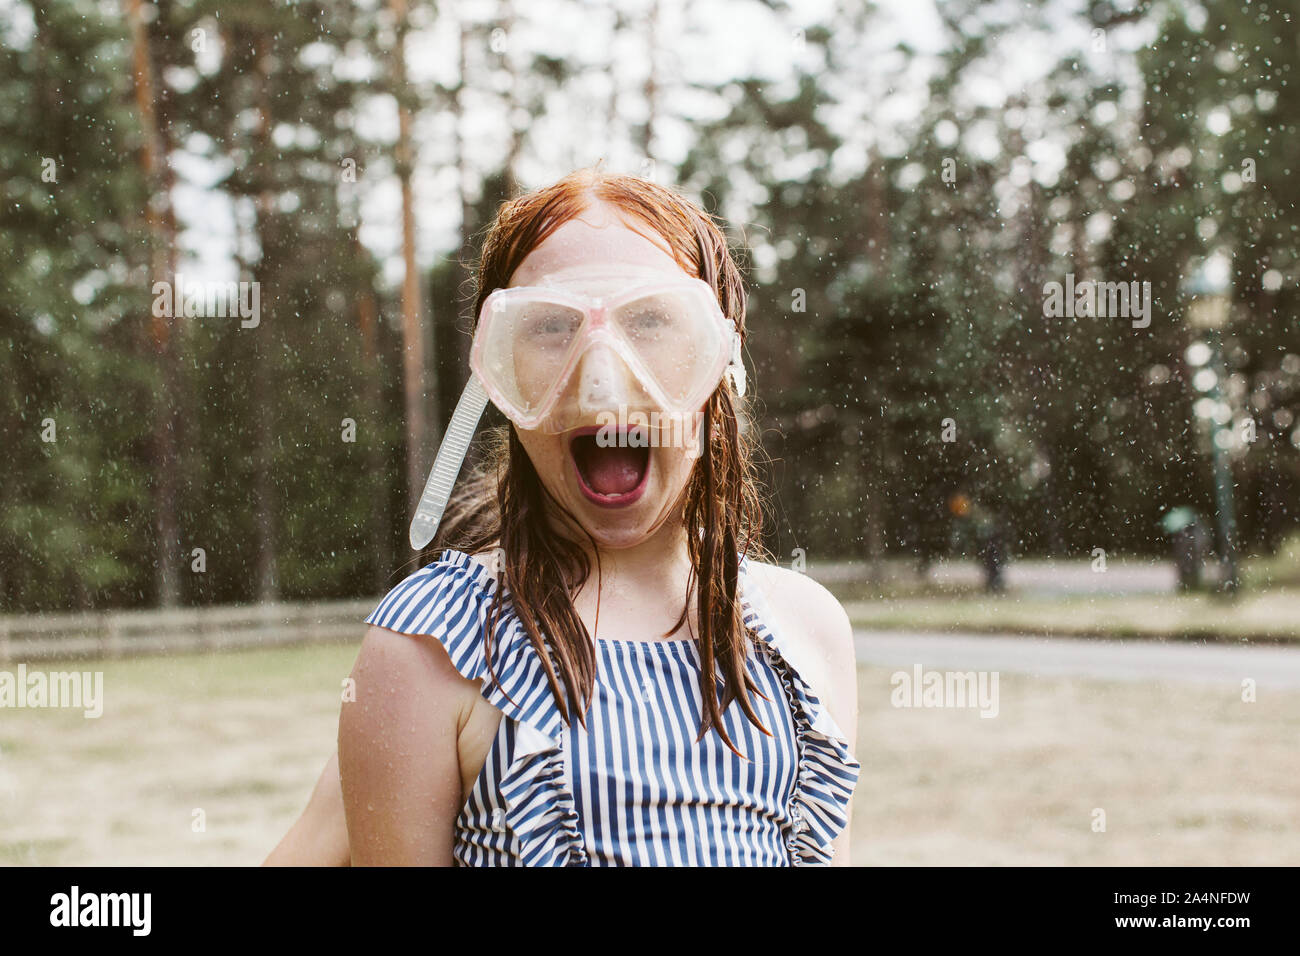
x,y
582,449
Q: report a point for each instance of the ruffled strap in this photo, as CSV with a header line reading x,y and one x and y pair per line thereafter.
x,y
822,800
539,806
451,599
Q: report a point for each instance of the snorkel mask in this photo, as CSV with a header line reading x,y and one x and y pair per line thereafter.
x,y
574,349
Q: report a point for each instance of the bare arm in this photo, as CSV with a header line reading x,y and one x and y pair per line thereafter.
x,y
320,836
398,757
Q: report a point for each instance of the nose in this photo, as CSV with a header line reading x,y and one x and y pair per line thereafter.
x,y
604,380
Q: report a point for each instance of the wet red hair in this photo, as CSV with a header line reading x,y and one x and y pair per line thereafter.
x,y
504,504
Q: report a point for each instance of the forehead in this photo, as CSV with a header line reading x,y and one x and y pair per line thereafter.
x,y
584,252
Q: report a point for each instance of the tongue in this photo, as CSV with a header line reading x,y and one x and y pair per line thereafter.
x,y
611,471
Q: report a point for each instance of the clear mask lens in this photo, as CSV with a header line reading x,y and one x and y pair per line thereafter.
x,y
555,360
559,356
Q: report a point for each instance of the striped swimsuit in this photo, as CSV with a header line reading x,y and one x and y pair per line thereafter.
x,y
633,787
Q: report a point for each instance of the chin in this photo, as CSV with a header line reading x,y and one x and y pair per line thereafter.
x,y
616,539
621,495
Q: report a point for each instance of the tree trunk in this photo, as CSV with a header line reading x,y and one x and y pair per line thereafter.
x,y
651,86
456,354
265,525
611,108
871,437
413,359
380,532
516,131
159,216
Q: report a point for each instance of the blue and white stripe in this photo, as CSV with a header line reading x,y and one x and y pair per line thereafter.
x,y
633,787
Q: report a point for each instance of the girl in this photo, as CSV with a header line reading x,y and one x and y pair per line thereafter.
x,y
603,672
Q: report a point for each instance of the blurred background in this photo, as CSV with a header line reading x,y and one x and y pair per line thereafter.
x,y
979,478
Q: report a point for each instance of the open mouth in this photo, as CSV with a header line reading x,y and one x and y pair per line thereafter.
x,y
613,476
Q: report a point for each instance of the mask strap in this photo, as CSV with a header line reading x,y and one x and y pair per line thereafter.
x,y
736,370
451,455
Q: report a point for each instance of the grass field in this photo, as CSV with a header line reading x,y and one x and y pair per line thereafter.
x,y
1066,598
1186,774
1273,615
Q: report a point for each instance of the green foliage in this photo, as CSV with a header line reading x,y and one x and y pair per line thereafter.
x,y
895,284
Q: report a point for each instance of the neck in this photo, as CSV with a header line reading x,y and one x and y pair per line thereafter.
x,y
662,555
642,589
658,564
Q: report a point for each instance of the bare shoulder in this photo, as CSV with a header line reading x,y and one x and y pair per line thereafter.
x,y
801,598
414,668
815,623
398,758
396,654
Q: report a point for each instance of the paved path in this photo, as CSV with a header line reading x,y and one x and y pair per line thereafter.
x,y
1070,577
1036,576
1084,657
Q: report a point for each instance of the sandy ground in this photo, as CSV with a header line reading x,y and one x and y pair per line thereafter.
x,y
1185,772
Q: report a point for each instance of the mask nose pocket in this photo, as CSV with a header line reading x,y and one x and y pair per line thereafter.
x,y
603,380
